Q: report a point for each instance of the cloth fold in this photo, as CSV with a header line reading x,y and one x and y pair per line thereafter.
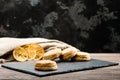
x,y
7,44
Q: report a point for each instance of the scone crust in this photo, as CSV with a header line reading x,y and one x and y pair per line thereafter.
x,y
81,56
47,68
68,53
46,65
52,54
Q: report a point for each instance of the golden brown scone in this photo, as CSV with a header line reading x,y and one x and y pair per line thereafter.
x,y
46,65
68,53
81,56
52,54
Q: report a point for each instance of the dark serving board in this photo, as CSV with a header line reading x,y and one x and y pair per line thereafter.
x,y
63,67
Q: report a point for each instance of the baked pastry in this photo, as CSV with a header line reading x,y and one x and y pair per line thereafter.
x,y
46,65
68,53
81,56
52,54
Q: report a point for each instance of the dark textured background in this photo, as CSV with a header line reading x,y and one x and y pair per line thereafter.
x,y
90,25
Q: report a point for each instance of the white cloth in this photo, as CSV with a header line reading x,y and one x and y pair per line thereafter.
x,y
8,44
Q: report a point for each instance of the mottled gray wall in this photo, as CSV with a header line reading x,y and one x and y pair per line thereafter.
x,y
90,25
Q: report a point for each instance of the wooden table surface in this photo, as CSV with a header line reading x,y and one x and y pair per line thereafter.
x,y
106,73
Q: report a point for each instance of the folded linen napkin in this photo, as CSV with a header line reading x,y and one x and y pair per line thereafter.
x,y
7,44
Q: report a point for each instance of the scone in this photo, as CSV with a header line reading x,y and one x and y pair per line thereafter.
x,y
68,53
52,54
81,56
46,65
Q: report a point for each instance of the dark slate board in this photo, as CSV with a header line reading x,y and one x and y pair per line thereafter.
x,y
63,67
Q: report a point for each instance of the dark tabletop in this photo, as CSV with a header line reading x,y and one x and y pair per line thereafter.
x,y
106,73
